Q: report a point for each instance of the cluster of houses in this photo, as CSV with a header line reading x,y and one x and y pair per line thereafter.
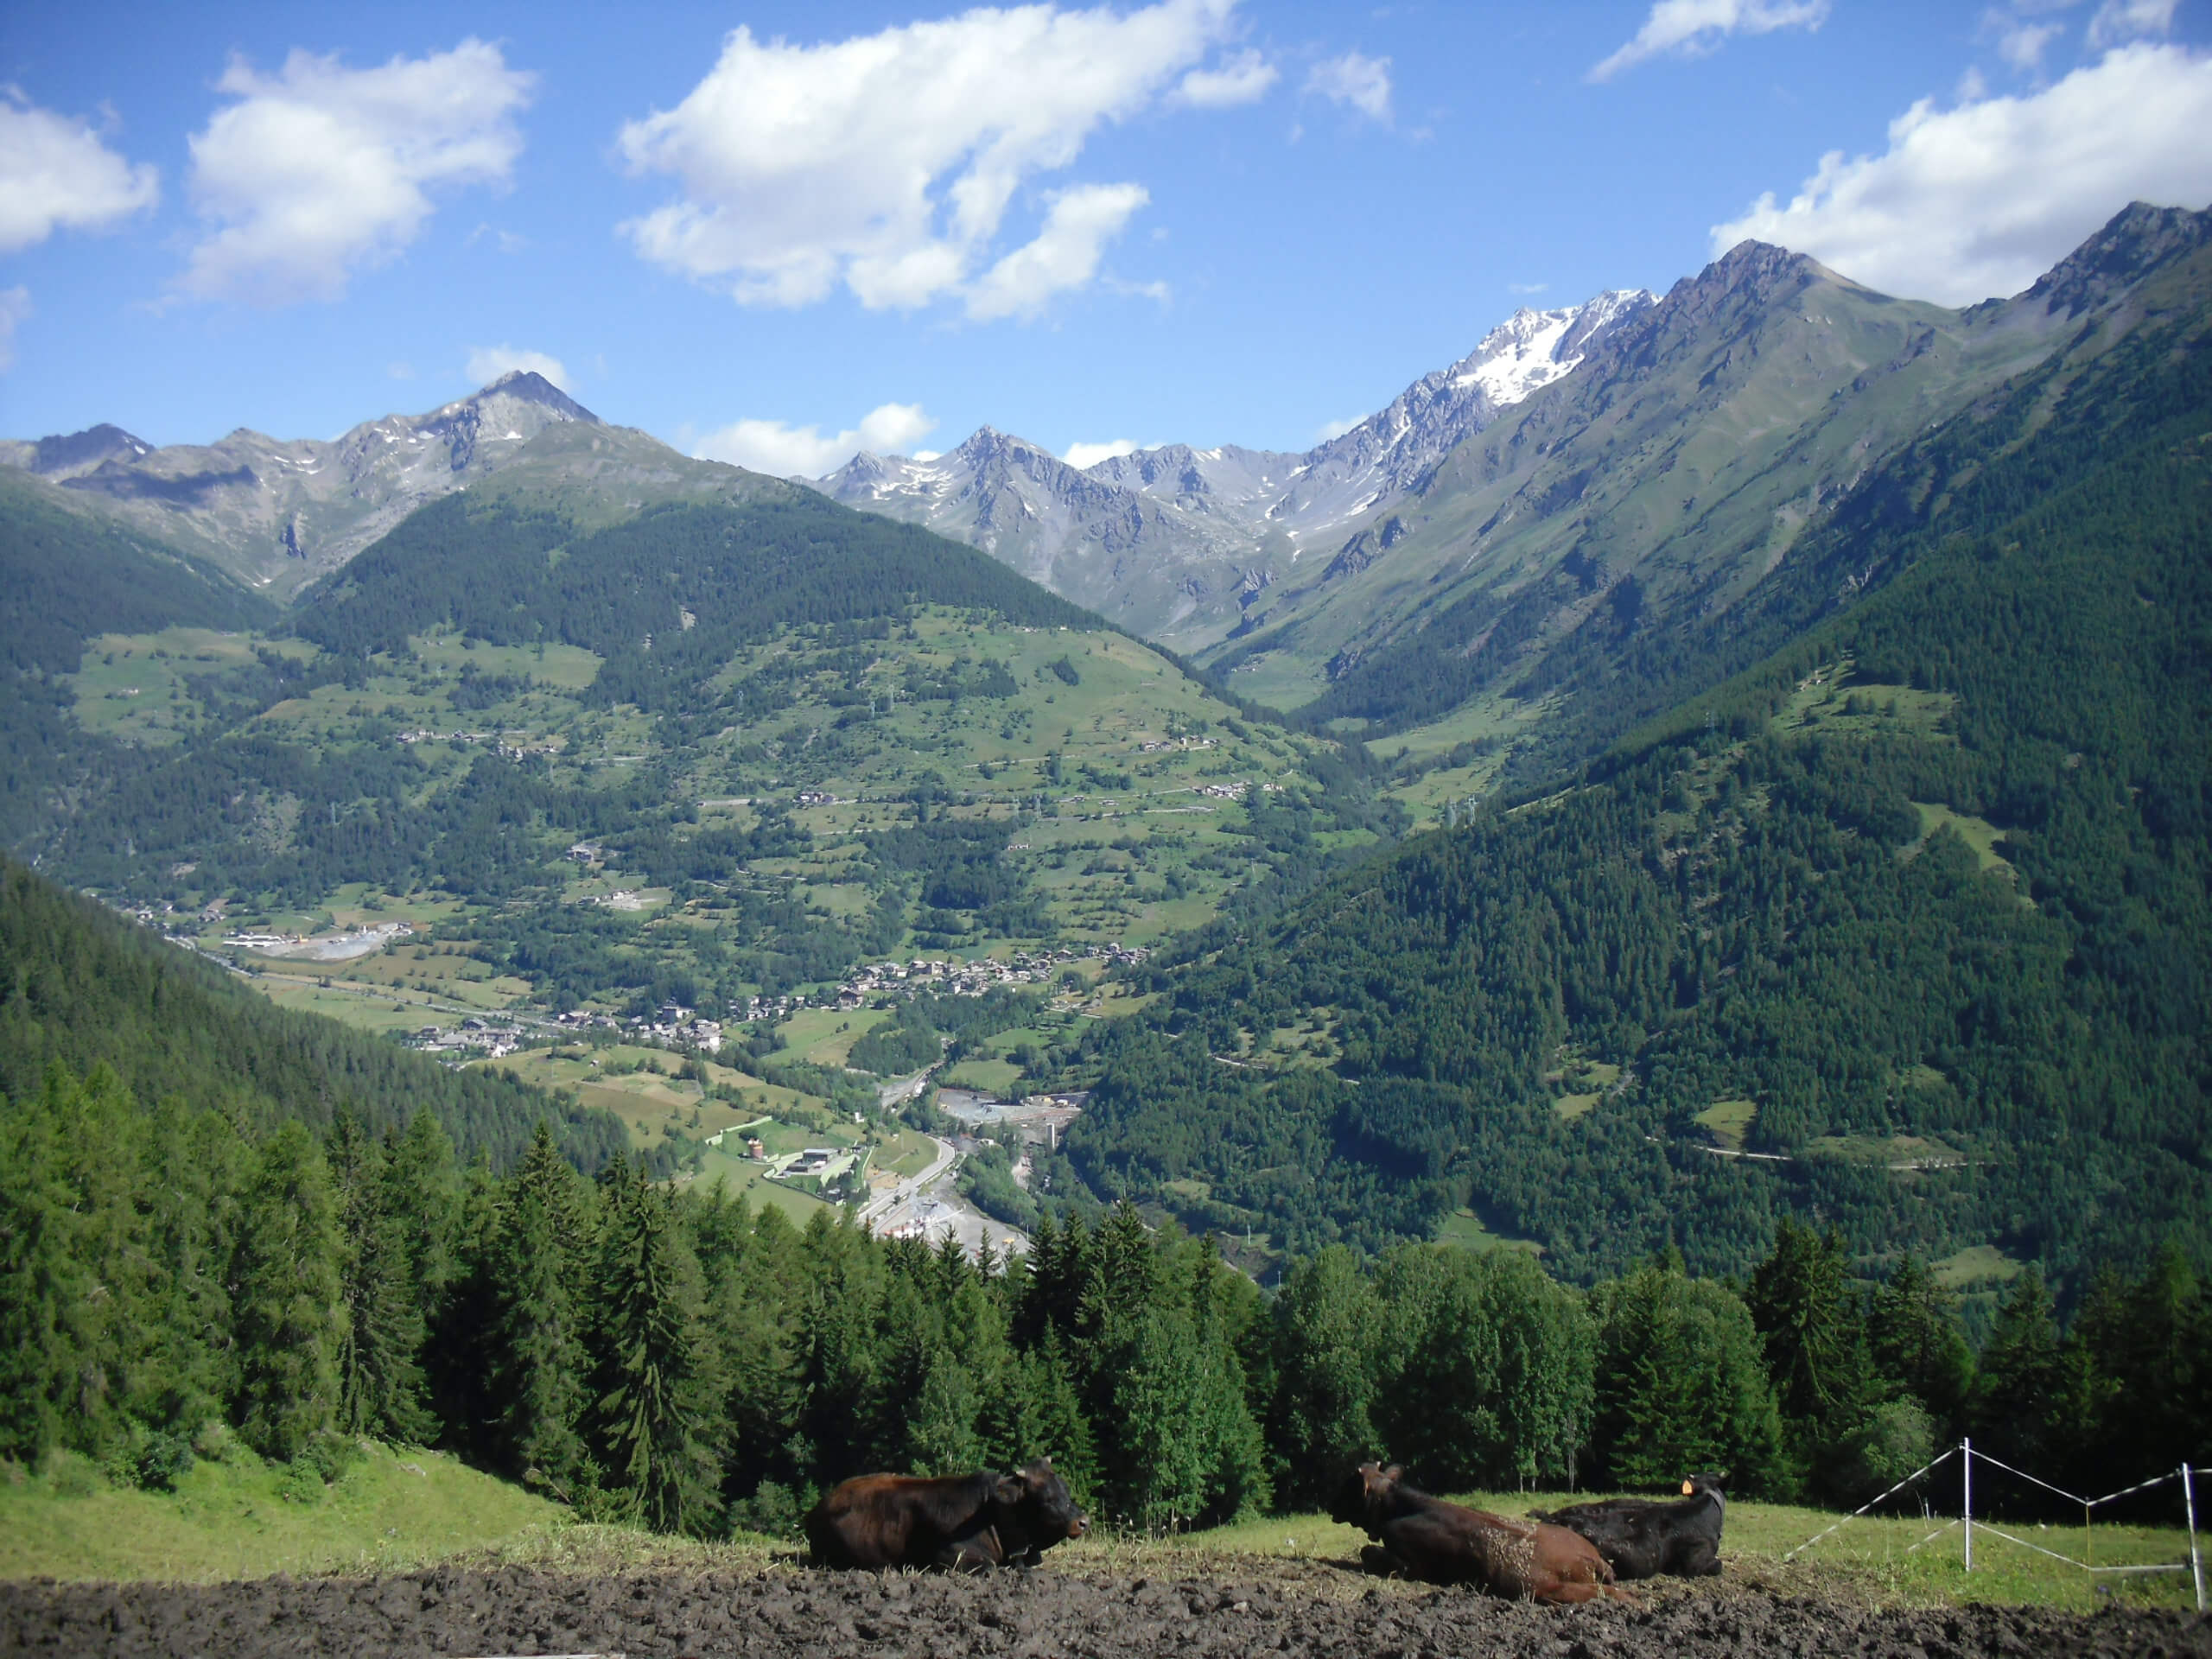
x,y
475,1038
500,746
956,976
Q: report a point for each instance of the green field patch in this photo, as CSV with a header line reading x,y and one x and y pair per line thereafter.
x,y
905,1154
1978,833
743,1179
826,1036
992,1077
1463,1230
365,1008
1728,1122
1570,1107
1978,1264
240,1518
1828,704
1896,1151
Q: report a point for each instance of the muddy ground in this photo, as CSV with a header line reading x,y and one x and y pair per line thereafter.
x,y
517,1611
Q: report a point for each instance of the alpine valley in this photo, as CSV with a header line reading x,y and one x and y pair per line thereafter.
x,y
1695,761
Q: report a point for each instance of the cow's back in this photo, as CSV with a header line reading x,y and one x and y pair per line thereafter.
x,y
875,1521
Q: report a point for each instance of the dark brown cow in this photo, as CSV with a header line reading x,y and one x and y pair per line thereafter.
x,y
1643,1537
968,1522
1425,1538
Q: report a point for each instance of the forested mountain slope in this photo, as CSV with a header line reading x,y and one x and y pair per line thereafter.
x,y
80,986
63,579
1915,909
1642,498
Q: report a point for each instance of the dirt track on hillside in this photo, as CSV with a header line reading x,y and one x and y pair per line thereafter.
x,y
511,1611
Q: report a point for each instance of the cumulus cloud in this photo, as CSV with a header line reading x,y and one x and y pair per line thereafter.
x,y
15,309
1244,79
1693,26
1329,429
1083,456
1983,199
58,174
1360,82
487,363
786,451
2021,44
319,170
1077,226
2120,21
886,163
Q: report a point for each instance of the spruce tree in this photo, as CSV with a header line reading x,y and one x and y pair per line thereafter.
x,y
540,1252
287,1304
379,1378
649,1410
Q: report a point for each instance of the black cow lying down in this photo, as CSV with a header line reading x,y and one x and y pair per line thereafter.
x,y
968,1522
1644,1537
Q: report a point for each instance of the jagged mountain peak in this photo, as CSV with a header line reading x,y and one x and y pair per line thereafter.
x,y
71,455
529,386
2134,242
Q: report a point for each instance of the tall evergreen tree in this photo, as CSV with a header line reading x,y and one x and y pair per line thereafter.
x,y
541,1253
379,1376
287,1301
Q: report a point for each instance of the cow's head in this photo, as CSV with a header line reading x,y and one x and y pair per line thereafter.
x,y
1707,1486
1364,1493
1034,1504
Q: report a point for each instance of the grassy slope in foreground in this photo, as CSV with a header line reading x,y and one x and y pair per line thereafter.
x,y
243,1518
231,1520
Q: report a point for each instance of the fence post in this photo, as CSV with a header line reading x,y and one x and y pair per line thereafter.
x,y
2196,1561
1966,1502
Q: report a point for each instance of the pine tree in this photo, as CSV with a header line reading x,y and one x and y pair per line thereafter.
x,y
379,1378
1328,1327
1813,1326
650,1412
2022,1380
538,1358
288,1308
1913,1332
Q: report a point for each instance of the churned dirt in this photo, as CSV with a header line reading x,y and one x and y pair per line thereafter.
x,y
782,1612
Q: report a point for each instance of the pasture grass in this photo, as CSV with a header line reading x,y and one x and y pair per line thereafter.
x,y
1728,1122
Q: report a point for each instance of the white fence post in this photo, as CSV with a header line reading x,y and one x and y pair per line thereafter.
x,y
2196,1561
1965,1500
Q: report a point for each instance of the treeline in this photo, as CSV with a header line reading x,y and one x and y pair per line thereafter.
x,y
80,986
669,1357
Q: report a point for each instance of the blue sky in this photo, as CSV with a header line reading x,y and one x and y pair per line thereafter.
x,y
1194,219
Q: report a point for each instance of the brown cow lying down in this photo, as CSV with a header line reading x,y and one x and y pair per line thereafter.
x,y
964,1522
1643,1537
1425,1538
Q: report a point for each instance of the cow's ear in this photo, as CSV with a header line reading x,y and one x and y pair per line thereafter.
x,y
1395,1472
1010,1489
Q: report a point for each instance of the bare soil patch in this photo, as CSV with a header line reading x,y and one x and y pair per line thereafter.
x,y
778,1612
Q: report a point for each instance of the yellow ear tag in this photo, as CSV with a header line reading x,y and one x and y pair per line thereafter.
x,y
1688,1489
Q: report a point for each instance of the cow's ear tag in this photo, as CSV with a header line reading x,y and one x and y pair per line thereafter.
x,y
1688,1489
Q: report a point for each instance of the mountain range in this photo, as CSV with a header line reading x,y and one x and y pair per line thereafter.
x,y
1177,542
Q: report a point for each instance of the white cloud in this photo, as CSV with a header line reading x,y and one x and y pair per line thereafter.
x,y
1244,79
787,451
15,309
487,363
886,163
1693,26
1082,456
320,169
1982,200
56,174
1329,429
1077,226
2120,21
1362,82
1526,288
2021,44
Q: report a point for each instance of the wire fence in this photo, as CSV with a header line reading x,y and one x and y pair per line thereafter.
x,y
1967,1523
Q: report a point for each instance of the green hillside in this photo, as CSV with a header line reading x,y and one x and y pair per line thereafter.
x,y
81,988
1915,910
700,753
